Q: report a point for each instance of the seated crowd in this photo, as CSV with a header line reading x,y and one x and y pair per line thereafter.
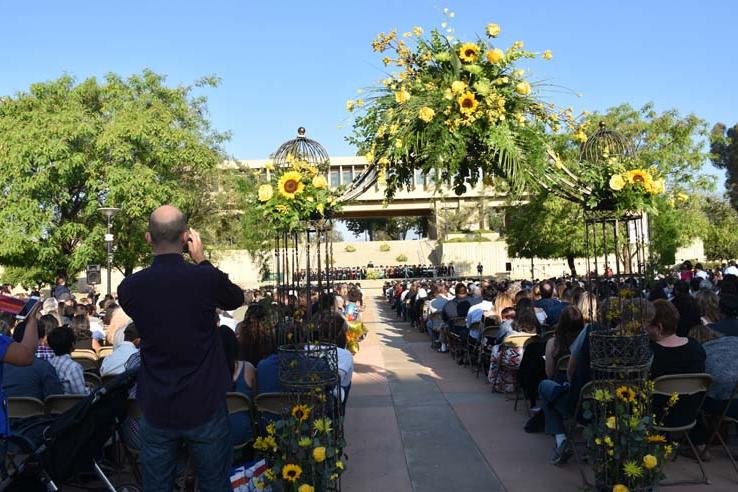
x,y
251,345
371,271
539,341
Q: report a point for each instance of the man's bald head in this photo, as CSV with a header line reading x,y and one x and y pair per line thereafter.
x,y
166,226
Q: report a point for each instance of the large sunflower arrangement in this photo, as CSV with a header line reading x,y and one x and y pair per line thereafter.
x,y
303,451
461,111
296,194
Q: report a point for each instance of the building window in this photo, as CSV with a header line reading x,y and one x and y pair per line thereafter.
x,y
347,175
419,177
335,178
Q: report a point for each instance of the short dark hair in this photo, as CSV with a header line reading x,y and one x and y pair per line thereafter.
x,y
46,323
61,340
666,315
167,232
546,289
130,332
461,289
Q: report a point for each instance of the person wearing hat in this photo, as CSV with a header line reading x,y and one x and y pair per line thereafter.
x,y
728,306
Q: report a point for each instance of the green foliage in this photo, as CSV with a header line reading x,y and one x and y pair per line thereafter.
x,y
349,248
401,258
67,148
384,247
674,226
721,241
462,111
724,147
390,228
475,239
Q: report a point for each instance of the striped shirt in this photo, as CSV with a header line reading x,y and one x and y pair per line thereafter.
x,y
70,373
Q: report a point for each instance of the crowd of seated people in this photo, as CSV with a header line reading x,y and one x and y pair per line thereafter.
x,y
541,342
382,272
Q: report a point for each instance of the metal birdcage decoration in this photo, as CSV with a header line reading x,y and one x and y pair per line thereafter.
x,y
302,149
605,143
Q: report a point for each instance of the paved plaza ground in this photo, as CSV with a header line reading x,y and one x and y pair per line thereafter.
x,y
419,422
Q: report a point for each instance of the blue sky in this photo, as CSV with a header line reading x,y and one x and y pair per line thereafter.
x,y
291,63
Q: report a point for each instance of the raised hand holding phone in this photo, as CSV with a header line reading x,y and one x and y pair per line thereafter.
x,y
195,247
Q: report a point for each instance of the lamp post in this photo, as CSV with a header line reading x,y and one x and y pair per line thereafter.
x,y
108,212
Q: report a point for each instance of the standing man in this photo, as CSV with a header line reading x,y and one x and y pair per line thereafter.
x,y
480,268
183,377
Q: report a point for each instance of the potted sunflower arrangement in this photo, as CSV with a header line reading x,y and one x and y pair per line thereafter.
x,y
304,452
462,111
294,194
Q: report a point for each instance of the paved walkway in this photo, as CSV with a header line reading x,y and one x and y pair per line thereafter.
x,y
418,422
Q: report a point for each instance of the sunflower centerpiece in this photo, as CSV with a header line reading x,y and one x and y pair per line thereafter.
x,y
297,189
462,111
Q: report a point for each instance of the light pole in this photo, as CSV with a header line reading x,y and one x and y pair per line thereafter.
x,y
108,212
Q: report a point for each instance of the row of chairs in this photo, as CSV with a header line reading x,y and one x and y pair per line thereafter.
x,y
476,354
89,359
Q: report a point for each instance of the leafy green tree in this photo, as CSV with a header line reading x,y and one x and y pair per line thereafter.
x,y
68,148
668,141
724,148
676,225
721,241
390,228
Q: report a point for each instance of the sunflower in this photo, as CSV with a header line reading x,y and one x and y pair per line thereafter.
x,y
468,52
656,438
265,193
619,488
467,103
632,470
625,393
301,412
290,184
639,177
291,472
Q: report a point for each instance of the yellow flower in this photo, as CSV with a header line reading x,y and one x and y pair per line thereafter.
x,y
598,441
467,103
269,474
333,477
305,442
616,182
493,30
418,31
281,208
650,462
602,395
265,192
625,393
668,449
659,186
426,114
610,423
402,96
320,182
339,465
632,470
580,136
547,55
639,177
260,485
619,488
320,208
269,166
322,425
383,161
682,197
291,472
608,441
319,454
518,45
290,184
458,86
522,88
271,429
301,412
350,105
673,399
656,438
360,102
468,52
495,55
305,488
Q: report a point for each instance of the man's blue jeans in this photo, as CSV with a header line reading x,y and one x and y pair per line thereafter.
x,y
209,445
554,397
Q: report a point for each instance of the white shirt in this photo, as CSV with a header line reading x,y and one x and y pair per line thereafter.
x,y
731,270
476,312
422,293
702,274
115,363
227,321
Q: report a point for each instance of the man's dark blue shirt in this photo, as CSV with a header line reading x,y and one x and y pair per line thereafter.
x,y
184,376
552,308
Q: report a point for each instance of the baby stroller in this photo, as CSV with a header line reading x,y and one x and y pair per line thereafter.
x,y
70,444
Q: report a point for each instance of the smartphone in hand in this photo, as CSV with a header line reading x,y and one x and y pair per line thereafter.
x,y
27,308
